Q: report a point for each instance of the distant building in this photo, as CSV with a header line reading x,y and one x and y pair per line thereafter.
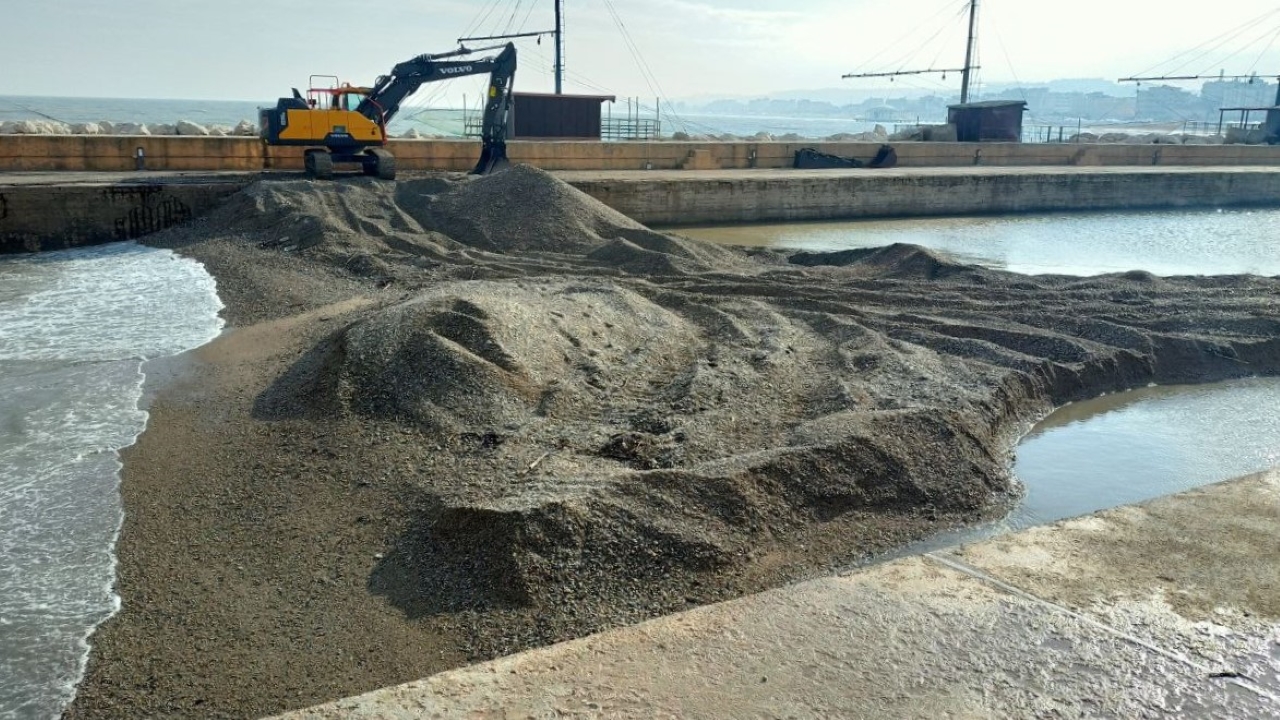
x,y
1238,93
539,115
999,120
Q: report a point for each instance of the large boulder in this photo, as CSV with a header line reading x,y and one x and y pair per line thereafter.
x,y
941,133
908,133
245,128
132,129
86,129
37,127
1246,136
186,127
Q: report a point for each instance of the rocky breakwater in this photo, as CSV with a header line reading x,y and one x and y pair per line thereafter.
x,y
570,421
184,128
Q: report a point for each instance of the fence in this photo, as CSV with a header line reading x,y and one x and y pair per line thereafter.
x,y
1068,133
630,129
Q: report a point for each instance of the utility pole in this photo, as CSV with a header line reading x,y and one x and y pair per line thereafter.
x,y
557,33
559,47
968,52
966,72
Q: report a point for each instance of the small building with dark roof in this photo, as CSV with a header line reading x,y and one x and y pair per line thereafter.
x,y
999,120
542,115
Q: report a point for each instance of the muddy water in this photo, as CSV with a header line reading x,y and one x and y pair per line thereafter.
x,y
1214,242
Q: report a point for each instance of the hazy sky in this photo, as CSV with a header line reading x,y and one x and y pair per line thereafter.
x,y
258,49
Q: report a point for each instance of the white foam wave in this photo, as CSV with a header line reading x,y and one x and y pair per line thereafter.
x,y
75,328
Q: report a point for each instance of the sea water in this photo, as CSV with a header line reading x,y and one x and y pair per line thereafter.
x,y
416,114
1201,242
75,328
209,113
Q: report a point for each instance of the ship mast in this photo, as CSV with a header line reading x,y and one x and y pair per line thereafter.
x,y
558,33
968,52
966,72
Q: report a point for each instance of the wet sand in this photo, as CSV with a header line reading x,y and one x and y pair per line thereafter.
x,y
455,419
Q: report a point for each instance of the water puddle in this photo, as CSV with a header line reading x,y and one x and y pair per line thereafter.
x,y
1129,447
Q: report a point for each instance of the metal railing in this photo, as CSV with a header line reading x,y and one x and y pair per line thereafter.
x,y
630,129
610,129
1069,133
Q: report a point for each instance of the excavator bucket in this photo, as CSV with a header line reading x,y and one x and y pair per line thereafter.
x,y
493,158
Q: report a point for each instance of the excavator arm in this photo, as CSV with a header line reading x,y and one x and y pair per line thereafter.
x,y
383,102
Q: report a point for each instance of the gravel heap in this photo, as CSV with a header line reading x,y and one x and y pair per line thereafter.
x,y
579,422
601,428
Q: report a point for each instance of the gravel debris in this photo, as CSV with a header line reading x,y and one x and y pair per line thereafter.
x,y
461,417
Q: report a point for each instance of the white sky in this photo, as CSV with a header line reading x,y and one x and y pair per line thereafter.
x,y
258,49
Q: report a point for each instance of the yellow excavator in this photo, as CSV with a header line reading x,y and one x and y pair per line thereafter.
x,y
348,124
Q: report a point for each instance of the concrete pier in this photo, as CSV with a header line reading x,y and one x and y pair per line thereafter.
x,y
1166,609
55,210
668,197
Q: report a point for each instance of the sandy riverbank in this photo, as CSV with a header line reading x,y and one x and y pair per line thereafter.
x,y
462,417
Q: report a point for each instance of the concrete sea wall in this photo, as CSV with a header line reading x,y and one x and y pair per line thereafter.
x,y
664,183
44,212
37,153
35,217
672,198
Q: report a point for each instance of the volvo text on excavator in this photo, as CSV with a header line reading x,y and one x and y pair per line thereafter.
x,y
349,123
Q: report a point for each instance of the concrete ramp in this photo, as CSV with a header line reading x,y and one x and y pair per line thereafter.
x,y
1167,609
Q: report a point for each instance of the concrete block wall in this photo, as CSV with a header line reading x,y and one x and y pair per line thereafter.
x,y
887,193
115,153
55,217
37,153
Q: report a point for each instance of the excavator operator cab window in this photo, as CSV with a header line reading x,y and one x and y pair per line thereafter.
x,y
348,101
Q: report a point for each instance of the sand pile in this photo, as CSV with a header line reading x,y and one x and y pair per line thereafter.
x,y
572,421
389,233
519,210
899,260
697,417
490,357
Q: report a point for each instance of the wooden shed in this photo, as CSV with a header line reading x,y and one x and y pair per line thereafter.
x,y
544,115
999,120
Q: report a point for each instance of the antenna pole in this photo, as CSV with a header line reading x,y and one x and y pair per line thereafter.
x,y
968,52
559,47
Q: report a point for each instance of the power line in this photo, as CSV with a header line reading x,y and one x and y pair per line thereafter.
x,y
1209,45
